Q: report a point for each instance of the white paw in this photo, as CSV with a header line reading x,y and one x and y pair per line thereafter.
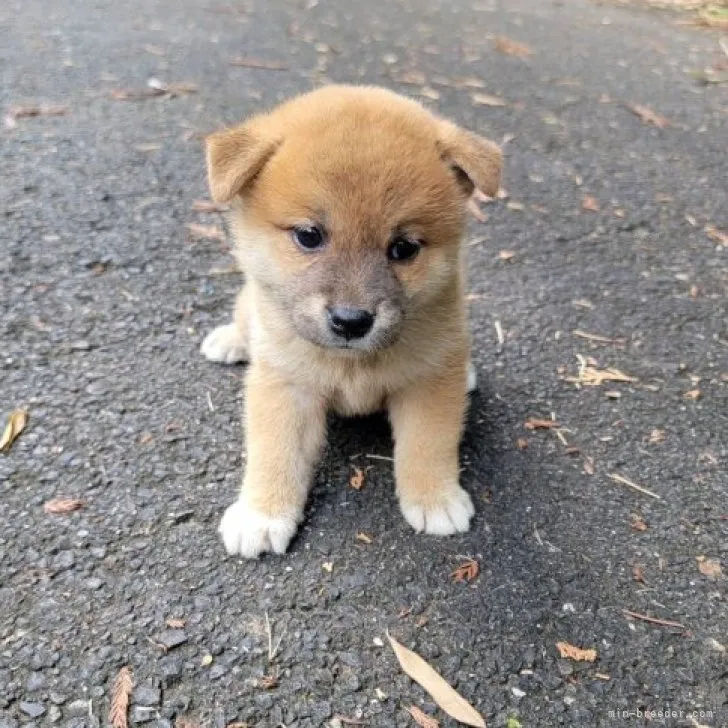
x,y
472,377
248,532
442,516
224,344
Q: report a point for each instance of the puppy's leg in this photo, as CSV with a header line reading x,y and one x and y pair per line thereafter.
x,y
285,429
229,343
427,421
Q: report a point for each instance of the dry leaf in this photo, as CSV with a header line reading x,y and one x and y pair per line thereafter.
x,y
120,698
589,465
411,78
154,50
421,718
590,203
63,505
638,573
648,116
487,100
709,567
469,82
638,523
521,443
205,232
328,566
656,437
364,537
446,697
534,423
357,480
576,653
429,93
693,394
259,63
466,571
515,206
511,47
209,206
590,376
176,622
16,424
506,255
268,682
717,235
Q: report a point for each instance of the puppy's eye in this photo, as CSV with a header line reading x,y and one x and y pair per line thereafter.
x,y
309,238
402,249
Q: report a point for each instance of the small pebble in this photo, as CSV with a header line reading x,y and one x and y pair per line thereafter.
x,y
36,681
147,695
54,714
34,710
141,714
171,638
78,707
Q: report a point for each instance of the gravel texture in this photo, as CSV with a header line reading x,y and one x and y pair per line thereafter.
x,y
106,297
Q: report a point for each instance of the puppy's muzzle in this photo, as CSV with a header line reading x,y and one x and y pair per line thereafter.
x,y
348,322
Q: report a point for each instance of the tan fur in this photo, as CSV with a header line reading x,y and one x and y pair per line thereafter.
x,y
366,165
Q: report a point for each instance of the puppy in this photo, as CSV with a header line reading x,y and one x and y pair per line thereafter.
x,y
348,209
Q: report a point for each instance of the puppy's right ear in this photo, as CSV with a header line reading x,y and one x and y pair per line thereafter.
x,y
234,157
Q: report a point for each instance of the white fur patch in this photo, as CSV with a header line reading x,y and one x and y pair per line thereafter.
x,y
443,517
247,532
224,344
472,377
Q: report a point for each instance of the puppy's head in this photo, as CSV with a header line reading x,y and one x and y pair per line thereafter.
x,y
349,208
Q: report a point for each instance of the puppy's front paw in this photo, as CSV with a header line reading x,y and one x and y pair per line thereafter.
x,y
248,532
440,514
225,344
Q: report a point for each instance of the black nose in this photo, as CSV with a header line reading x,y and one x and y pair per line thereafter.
x,y
351,323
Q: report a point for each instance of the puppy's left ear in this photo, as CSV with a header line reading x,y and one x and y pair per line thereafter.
x,y
235,157
476,161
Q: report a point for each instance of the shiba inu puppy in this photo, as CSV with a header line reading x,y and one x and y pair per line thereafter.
x,y
348,209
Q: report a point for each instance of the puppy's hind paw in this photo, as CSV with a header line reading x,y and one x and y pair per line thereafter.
x,y
225,344
248,532
439,515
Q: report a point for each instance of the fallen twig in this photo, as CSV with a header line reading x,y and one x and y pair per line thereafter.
x,y
596,337
272,649
630,484
652,620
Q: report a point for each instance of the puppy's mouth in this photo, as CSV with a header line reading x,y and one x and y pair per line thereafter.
x,y
370,344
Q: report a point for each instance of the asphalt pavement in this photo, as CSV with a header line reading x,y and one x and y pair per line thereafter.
x,y
609,252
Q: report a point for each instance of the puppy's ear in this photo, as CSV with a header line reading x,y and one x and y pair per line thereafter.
x,y
476,161
235,156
